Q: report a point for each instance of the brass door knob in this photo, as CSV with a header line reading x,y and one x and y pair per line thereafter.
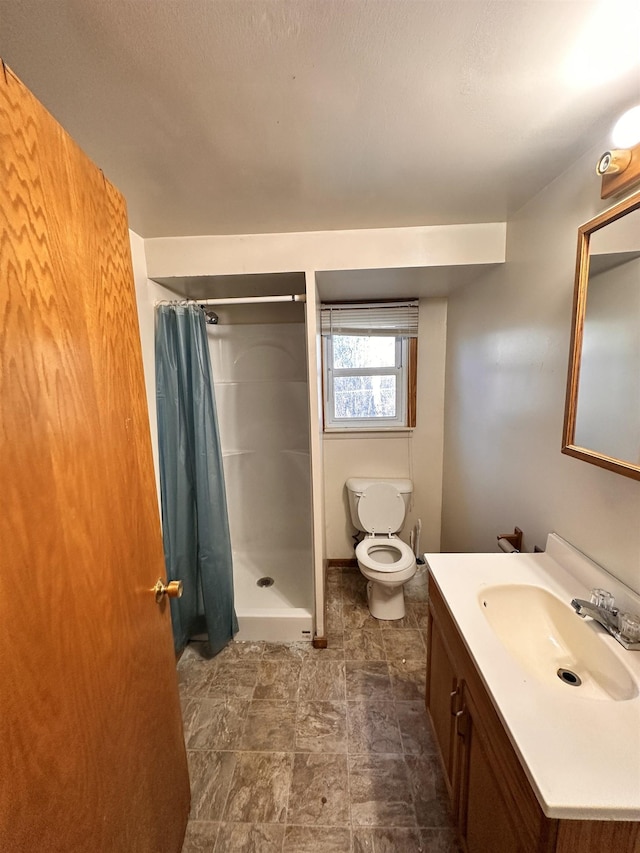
x,y
172,590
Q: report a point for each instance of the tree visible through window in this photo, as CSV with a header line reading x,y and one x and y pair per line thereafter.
x,y
364,396
366,380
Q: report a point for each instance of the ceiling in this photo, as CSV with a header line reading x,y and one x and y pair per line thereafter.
x,y
260,116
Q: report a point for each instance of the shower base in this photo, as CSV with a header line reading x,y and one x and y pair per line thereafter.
x,y
282,611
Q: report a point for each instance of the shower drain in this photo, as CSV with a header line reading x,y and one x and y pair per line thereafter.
x,y
266,581
569,677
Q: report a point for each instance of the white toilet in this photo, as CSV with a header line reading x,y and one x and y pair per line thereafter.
x,y
378,508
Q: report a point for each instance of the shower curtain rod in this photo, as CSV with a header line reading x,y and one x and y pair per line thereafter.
x,y
240,300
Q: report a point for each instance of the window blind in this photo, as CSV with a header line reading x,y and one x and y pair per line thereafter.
x,y
370,318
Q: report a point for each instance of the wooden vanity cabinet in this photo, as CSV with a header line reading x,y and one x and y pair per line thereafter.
x,y
484,818
492,800
443,693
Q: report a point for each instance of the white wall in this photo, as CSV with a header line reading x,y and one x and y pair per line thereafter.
x,y
416,454
314,373
146,321
147,293
369,248
507,355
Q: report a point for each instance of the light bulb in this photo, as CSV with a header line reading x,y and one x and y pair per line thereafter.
x,y
626,132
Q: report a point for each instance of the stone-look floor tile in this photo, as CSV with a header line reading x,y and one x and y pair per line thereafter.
x,y
277,679
354,589
335,641
380,791
210,774
373,727
440,841
241,649
194,674
364,644
333,588
368,680
200,837
319,790
322,680
190,706
333,617
404,644
408,680
429,792
321,727
196,652
408,621
415,728
191,652
270,726
417,589
334,650
419,611
216,723
259,788
356,617
233,679
250,838
390,796
287,651
391,840
308,839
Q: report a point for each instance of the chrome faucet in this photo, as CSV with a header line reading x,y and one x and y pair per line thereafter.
x,y
609,618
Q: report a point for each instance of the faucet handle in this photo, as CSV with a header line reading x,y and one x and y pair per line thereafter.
x,y
602,598
629,624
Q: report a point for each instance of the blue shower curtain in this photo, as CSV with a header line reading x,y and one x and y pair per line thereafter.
x,y
195,524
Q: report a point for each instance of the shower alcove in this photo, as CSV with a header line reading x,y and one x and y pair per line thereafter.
x,y
259,364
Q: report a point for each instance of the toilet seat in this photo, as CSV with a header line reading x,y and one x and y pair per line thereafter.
x,y
398,556
381,509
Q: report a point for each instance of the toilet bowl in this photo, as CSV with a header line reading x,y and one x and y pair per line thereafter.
x,y
378,508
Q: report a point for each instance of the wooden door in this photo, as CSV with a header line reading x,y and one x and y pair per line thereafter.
x,y
92,750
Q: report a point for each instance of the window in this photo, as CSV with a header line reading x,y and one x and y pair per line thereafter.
x,y
369,360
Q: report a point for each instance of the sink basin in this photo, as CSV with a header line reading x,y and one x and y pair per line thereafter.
x,y
554,645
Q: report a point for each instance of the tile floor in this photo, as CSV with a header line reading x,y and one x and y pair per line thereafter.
x,y
300,750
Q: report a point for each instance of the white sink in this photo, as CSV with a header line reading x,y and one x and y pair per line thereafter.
x,y
546,636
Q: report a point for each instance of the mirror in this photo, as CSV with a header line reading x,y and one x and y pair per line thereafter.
x,y
602,413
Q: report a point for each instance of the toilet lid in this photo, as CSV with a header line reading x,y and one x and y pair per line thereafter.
x,y
381,509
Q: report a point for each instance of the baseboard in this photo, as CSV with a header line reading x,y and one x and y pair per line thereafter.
x,y
347,561
319,642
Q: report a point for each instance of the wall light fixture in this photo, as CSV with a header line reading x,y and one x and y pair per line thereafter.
x,y
620,167
626,131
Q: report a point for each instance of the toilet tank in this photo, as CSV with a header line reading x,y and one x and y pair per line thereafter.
x,y
357,485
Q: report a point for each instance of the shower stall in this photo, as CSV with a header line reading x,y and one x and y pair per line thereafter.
x,y
258,356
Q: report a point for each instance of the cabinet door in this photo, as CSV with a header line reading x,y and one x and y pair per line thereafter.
x,y
483,817
443,694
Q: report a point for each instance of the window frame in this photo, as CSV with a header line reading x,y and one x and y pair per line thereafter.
x,y
403,370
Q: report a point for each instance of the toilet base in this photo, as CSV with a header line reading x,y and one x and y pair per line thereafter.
x,y
386,602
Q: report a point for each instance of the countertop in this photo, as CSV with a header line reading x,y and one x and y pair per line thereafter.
x,y
581,755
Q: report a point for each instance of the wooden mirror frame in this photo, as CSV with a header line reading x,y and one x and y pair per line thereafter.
x,y
620,466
